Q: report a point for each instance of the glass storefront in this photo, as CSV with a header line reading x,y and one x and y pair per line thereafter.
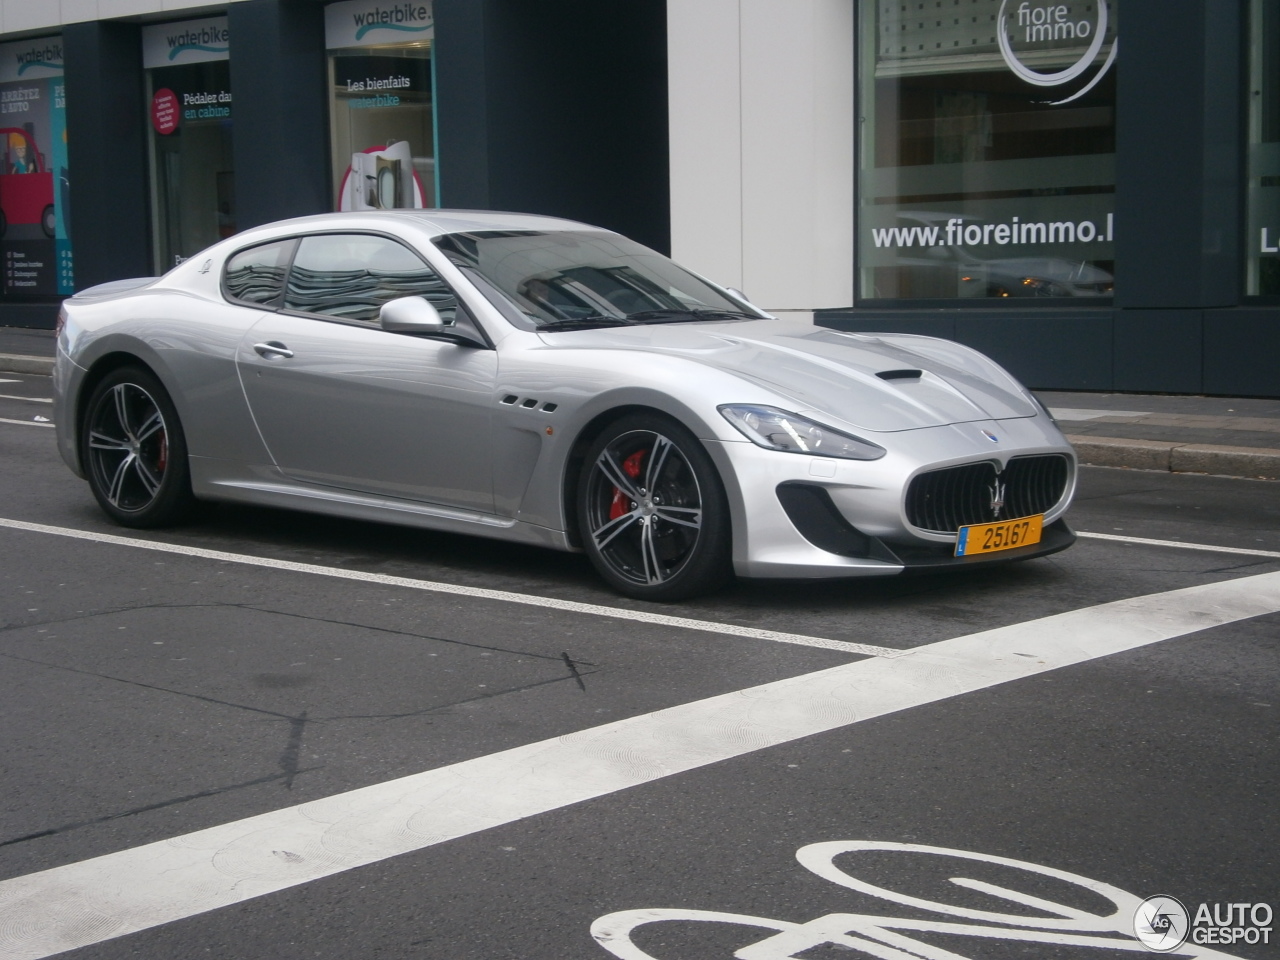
x,y
35,190
986,149
381,112
189,94
1262,242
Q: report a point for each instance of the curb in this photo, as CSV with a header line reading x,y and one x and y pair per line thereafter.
x,y
16,363
1254,463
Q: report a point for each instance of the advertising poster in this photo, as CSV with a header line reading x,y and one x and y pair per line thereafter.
x,y
34,184
381,105
190,111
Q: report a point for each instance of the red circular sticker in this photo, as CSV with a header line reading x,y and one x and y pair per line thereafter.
x,y
164,111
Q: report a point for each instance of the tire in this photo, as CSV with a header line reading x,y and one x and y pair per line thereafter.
x,y
652,513
134,452
49,222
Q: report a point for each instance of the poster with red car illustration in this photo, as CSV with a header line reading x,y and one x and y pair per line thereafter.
x,y
35,247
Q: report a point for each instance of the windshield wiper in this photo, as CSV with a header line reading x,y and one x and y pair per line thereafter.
x,y
585,323
690,315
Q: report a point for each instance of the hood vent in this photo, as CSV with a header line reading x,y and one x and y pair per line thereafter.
x,y
900,374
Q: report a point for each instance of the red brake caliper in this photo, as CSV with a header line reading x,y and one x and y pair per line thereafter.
x,y
163,458
621,503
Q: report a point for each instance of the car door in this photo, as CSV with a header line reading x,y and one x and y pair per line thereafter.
x,y
343,403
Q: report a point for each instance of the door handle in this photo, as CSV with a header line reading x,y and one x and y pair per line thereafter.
x,y
273,350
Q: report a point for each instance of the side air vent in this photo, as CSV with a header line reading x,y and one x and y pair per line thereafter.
x,y
810,508
510,398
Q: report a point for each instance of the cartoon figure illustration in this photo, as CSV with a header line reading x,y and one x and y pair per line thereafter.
x,y
26,199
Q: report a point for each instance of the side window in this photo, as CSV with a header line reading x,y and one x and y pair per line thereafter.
x,y
256,275
350,276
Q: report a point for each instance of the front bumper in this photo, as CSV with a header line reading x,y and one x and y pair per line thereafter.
x,y
866,532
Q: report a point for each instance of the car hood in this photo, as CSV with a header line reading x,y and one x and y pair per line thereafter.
x,y
832,374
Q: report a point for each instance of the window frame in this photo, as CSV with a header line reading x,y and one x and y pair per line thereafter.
x,y
470,329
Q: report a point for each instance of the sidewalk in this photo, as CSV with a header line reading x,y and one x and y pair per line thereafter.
x,y
1224,436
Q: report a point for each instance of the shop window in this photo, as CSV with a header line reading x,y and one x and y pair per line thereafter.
x,y
987,149
1263,240
382,118
34,183
193,200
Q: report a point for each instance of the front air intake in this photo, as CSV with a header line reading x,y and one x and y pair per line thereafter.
x,y
943,501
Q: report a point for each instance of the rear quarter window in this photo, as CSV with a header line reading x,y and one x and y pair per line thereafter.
x,y
257,275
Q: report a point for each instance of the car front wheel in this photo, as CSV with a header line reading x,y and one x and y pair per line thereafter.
x,y
134,452
652,512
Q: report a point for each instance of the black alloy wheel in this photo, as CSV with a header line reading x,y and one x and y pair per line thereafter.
x,y
652,512
134,452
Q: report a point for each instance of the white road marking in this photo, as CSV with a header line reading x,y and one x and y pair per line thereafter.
x,y
1207,547
26,423
891,938
11,396
1079,416
505,596
95,900
10,381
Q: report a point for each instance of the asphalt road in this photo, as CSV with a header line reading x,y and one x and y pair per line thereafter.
x,y
150,695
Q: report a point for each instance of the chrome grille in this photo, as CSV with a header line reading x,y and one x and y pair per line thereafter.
x,y
945,500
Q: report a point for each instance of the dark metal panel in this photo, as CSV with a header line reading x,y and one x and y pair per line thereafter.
x,y
1180,97
280,124
1159,351
462,103
1049,350
36,316
557,108
106,151
1242,352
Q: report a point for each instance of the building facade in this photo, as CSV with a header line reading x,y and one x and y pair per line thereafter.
x,y
1088,191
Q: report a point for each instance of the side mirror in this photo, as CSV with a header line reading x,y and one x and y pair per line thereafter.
x,y
410,315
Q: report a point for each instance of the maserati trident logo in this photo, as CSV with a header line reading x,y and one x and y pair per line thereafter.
x,y
997,499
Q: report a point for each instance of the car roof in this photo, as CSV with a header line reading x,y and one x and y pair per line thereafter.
x,y
433,221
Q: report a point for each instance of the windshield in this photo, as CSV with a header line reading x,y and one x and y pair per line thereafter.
x,y
571,280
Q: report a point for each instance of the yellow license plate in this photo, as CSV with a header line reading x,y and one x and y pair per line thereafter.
x,y
1005,535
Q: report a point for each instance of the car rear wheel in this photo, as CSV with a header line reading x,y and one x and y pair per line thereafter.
x,y
652,512
134,452
49,222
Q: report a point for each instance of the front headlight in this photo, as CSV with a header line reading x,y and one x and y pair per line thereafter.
x,y
776,429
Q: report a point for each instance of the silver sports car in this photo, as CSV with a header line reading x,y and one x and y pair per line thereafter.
x,y
549,382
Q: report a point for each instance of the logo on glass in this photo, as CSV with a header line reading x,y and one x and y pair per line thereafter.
x,y
1039,30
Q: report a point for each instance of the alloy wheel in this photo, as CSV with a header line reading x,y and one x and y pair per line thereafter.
x,y
644,507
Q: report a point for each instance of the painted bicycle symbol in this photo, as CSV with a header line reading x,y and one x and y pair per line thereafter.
x,y
895,938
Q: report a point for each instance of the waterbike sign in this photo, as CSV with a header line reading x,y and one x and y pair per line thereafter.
x,y
1029,30
31,59
192,41
368,23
